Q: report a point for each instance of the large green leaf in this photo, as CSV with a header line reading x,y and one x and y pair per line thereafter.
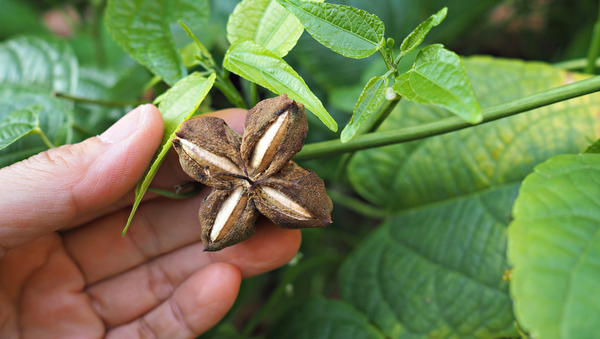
x,y
469,160
42,63
370,98
194,13
436,271
319,318
346,30
178,104
55,121
18,124
109,84
438,77
141,27
266,23
554,245
252,62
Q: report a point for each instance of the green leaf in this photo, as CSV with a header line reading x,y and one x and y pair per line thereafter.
x,y
178,105
189,53
461,162
18,124
372,95
266,23
56,120
319,318
416,37
555,249
195,13
44,64
593,148
438,77
141,28
346,30
106,84
254,63
436,271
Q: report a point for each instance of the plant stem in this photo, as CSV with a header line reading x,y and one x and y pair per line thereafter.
x,y
231,93
290,274
454,123
382,113
101,102
385,57
357,205
594,47
574,64
155,80
367,127
174,195
97,32
44,138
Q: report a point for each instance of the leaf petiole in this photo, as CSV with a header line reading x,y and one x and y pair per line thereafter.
x,y
101,102
43,136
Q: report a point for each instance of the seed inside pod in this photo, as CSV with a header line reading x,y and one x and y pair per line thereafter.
x,y
265,148
203,156
285,204
228,214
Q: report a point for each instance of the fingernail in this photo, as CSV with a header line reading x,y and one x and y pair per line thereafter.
x,y
126,126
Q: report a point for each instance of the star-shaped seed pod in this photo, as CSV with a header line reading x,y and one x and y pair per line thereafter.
x,y
252,174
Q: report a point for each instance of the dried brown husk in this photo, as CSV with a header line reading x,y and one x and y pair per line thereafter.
x,y
292,197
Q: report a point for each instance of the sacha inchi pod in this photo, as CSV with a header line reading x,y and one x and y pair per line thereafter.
x,y
252,174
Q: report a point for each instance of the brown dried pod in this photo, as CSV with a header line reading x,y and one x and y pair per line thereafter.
x,y
252,174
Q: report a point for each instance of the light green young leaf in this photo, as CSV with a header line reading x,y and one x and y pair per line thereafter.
x,y
417,36
372,95
177,106
43,63
439,78
141,27
266,23
554,246
319,318
346,30
252,62
189,53
18,124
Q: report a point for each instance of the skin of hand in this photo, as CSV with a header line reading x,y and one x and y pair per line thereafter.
x,y
65,269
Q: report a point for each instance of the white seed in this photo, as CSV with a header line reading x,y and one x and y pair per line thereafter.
x,y
287,203
267,145
201,155
226,212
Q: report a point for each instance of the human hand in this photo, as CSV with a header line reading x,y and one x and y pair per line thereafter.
x,y
65,270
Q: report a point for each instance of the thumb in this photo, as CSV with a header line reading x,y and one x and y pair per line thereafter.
x,y
46,192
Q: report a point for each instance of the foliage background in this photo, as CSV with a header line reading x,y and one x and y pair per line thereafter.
x,y
418,244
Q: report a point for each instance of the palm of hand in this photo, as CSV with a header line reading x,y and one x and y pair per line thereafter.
x,y
89,282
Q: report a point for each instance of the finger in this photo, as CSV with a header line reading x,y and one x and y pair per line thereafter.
x,y
49,190
196,306
127,296
169,173
161,226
